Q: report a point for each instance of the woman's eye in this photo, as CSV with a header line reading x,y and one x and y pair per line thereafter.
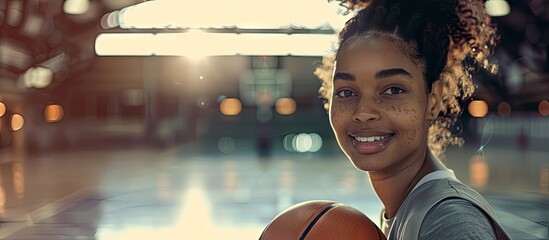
x,y
393,90
344,93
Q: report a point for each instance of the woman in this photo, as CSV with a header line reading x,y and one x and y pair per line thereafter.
x,y
401,72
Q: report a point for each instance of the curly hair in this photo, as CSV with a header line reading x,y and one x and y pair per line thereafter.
x,y
452,39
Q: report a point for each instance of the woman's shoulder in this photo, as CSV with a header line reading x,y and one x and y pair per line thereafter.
x,y
456,218
436,198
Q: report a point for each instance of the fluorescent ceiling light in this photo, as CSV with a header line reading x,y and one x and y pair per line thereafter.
x,y
253,14
199,44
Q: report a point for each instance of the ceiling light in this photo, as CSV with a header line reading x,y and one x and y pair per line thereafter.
x,y
194,44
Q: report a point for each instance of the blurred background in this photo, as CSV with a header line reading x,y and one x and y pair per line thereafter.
x,y
175,119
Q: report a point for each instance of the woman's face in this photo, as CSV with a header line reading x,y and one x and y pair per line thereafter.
x,y
380,111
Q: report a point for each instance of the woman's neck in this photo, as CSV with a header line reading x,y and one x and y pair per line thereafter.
x,y
393,187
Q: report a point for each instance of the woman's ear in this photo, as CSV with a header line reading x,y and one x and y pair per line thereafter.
x,y
434,100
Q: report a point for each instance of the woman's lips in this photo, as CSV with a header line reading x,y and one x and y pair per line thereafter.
x,y
367,147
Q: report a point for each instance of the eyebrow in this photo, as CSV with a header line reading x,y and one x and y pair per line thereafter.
x,y
392,72
385,73
344,76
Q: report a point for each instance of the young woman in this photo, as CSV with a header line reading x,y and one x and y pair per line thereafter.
x,y
401,72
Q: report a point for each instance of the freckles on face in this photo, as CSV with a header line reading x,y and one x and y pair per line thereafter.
x,y
341,115
412,136
410,112
335,115
414,116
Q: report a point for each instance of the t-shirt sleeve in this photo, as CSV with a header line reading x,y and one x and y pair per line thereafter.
x,y
456,219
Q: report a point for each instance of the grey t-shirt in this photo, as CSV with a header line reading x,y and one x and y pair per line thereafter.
x,y
452,218
456,218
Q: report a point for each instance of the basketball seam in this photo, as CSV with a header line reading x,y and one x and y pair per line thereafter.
x,y
308,229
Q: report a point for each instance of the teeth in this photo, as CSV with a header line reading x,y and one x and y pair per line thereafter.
x,y
371,139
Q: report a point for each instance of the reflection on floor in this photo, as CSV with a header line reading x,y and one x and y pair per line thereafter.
x,y
182,194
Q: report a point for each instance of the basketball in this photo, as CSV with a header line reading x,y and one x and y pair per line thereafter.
x,y
319,220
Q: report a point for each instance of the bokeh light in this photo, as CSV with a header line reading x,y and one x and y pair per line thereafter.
x,y
110,20
316,142
230,106
37,77
2,109
478,108
479,171
226,145
53,113
202,103
302,142
287,142
544,108
285,106
17,122
497,8
504,109
76,6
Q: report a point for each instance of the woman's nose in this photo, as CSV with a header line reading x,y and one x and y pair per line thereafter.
x,y
365,114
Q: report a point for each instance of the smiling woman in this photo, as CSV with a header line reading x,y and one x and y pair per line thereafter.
x,y
400,75
392,88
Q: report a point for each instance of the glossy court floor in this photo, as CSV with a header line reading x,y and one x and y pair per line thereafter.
x,y
185,192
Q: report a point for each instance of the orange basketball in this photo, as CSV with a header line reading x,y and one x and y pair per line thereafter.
x,y
319,220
